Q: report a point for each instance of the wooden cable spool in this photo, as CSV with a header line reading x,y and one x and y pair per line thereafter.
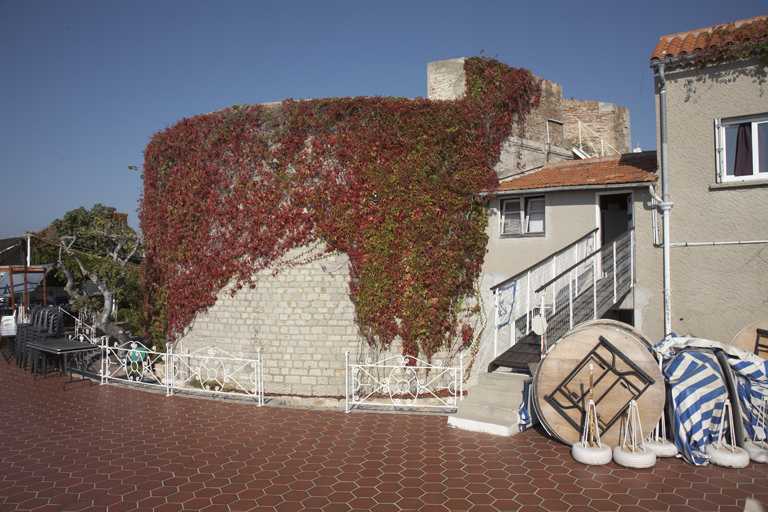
x,y
624,370
746,339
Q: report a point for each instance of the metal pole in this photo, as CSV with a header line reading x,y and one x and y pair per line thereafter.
x,y
615,276
594,285
261,376
570,299
346,383
495,324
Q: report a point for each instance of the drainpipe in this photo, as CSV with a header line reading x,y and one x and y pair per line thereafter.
x,y
665,205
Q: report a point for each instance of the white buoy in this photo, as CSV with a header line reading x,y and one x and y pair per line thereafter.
x,y
632,453
757,448
657,441
721,453
589,450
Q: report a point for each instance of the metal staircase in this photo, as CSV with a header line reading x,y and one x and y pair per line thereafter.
x,y
570,287
584,290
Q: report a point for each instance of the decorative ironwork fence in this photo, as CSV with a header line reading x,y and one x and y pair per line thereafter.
x,y
212,370
404,381
207,370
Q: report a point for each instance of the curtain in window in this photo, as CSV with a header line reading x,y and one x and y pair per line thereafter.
x,y
743,163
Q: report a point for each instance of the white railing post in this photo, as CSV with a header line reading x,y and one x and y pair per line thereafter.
x,y
461,376
346,383
170,369
570,300
544,316
594,285
528,304
615,276
495,325
104,356
261,376
632,258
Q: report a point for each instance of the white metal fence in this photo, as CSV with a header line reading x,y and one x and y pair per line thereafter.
x,y
403,381
208,370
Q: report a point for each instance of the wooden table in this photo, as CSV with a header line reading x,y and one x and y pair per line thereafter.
x,y
63,347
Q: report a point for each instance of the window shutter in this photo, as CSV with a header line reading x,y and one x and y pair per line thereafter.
x,y
535,215
511,220
719,163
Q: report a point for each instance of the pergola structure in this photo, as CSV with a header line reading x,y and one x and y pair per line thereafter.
x,y
24,270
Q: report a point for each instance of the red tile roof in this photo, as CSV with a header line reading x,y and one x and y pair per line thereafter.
x,y
608,170
719,37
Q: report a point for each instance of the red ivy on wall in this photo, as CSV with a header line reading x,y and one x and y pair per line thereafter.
x,y
393,183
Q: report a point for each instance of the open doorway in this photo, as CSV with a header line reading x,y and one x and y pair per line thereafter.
x,y
615,216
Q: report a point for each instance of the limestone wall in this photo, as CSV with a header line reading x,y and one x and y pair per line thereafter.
x,y
302,317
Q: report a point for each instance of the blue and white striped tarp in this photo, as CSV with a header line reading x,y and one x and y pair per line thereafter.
x,y
697,389
751,379
750,375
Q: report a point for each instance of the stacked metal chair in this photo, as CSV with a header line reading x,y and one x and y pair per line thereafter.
x,y
52,328
23,333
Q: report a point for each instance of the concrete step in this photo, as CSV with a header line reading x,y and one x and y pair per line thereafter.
x,y
470,409
492,405
483,424
503,380
492,395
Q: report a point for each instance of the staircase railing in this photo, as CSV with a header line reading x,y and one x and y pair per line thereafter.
x,y
515,299
565,289
588,289
588,147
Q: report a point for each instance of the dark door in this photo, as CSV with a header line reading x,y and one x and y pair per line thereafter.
x,y
615,216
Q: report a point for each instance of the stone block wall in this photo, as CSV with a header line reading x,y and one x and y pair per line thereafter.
x,y
608,121
302,318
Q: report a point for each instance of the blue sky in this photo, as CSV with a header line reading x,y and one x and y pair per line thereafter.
x,y
85,84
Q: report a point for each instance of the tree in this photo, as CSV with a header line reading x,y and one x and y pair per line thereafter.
x,y
92,250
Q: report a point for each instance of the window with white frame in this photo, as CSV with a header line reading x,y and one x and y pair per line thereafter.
x,y
522,216
742,148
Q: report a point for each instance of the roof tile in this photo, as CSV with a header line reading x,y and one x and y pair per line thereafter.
x,y
687,44
620,169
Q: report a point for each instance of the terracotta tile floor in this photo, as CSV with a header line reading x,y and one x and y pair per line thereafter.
x,y
112,448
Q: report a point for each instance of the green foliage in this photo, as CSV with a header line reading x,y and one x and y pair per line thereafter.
x,y
393,183
100,238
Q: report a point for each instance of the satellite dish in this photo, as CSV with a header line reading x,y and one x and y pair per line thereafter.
x,y
539,325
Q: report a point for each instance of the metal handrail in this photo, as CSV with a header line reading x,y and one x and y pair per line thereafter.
x,y
618,240
543,260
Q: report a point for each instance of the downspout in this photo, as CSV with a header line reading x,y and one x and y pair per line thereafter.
x,y
665,205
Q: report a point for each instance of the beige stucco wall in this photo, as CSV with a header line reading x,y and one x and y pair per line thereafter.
x,y
567,217
716,290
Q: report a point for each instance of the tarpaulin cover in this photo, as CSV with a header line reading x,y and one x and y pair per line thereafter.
x,y
751,379
700,371
697,390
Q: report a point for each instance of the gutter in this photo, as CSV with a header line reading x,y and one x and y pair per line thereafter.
x,y
567,188
665,205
